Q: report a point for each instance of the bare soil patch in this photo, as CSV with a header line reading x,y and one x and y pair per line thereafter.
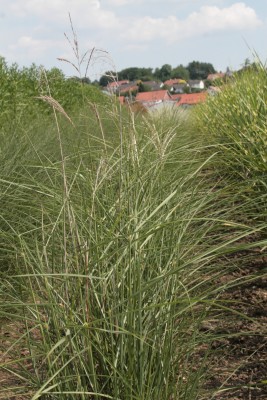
x,y
238,365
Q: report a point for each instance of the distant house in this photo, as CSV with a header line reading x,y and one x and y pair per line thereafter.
x,y
179,87
127,87
171,82
192,99
176,97
196,84
115,85
153,85
213,77
154,98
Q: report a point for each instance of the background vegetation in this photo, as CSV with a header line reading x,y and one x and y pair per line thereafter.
x,y
20,87
194,70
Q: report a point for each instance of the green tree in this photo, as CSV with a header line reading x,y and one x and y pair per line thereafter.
x,y
200,70
136,73
246,63
85,80
144,88
249,65
180,72
164,72
108,77
3,65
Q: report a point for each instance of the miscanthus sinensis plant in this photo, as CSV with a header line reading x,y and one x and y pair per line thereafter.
x,y
114,258
235,120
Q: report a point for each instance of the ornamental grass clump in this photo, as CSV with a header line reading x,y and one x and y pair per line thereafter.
x,y
236,121
114,262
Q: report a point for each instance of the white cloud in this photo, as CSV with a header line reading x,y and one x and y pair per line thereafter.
x,y
156,2
33,48
45,6
38,26
28,43
118,3
208,20
85,13
136,47
93,15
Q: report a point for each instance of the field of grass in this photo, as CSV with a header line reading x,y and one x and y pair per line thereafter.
x,y
120,235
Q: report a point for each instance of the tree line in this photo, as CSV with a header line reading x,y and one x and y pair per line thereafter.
x,y
194,70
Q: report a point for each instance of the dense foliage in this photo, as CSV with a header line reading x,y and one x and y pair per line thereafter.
x,y
200,70
236,121
194,70
20,89
135,73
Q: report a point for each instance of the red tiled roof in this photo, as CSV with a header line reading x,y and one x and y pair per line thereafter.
x,y
176,96
157,95
128,88
171,82
116,84
192,98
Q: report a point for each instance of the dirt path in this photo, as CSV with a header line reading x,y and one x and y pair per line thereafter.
x,y
12,387
239,363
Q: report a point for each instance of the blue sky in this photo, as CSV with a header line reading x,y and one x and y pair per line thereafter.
x,y
128,33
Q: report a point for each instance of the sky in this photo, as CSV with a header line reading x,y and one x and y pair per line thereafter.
x,y
132,33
